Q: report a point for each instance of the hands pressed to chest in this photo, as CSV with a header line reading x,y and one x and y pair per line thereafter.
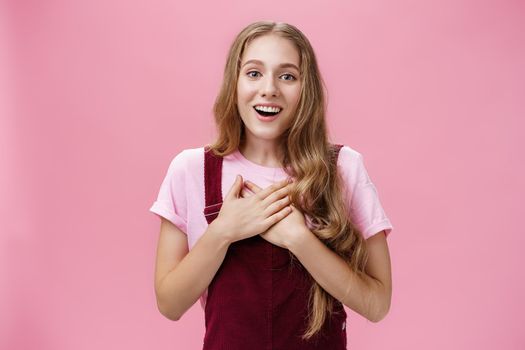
x,y
287,230
262,211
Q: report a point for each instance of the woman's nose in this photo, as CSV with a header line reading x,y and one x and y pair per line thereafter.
x,y
269,87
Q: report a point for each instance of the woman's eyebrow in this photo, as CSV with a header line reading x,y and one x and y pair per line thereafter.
x,y
282,65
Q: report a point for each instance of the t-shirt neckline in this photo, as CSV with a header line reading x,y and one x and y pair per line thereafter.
x,y
260,168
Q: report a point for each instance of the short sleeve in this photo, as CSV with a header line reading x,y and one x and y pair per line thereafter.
x,y
365,208
171,200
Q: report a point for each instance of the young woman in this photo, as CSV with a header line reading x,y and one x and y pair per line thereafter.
x,y
300,232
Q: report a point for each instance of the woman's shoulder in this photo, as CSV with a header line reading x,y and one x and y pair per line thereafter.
x,y
188,158
351,164
348,154
191,153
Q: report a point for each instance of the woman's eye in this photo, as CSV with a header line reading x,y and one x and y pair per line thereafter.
x,y
254,74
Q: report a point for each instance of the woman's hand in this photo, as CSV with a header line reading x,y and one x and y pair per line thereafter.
x,y
241,218
285,230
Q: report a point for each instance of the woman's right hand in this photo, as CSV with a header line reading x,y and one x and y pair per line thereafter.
x,y
241,218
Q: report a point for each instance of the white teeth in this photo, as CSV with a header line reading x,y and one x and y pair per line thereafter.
x,y
267,109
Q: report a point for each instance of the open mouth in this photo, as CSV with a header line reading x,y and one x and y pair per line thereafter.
x,y
267,112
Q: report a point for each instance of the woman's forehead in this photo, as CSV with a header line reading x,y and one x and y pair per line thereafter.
x,y
271,50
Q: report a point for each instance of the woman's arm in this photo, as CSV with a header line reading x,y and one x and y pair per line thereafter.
x,y
370,297
181,276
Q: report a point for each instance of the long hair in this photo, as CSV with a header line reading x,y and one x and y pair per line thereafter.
x,y
308,157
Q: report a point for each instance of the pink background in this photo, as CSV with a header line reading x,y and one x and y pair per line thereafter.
x,y
96,97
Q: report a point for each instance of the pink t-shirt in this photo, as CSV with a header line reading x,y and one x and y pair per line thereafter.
x,y
181,195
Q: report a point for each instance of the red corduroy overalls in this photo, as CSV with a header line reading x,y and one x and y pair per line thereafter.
x,y
258,299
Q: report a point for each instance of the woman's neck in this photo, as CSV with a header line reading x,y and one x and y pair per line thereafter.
x,y
263,153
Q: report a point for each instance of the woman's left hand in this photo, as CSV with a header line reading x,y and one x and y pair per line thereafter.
x,y
284,231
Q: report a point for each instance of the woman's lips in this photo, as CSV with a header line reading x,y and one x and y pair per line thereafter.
x,y
267,118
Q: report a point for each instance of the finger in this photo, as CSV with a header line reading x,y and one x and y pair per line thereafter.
x,y
280,193
253,187
281,214
278,205
272,188
235,189
245,193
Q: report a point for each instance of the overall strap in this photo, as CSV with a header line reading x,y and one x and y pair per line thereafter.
x,y
212,184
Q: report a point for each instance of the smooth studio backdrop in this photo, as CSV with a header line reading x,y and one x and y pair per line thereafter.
x,y
98,96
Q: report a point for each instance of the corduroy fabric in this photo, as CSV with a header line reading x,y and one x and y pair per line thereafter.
x,y
258,299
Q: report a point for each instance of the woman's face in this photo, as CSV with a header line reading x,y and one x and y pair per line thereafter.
x,y
269,75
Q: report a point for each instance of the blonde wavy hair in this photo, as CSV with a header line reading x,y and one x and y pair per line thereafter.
x,y
308,157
